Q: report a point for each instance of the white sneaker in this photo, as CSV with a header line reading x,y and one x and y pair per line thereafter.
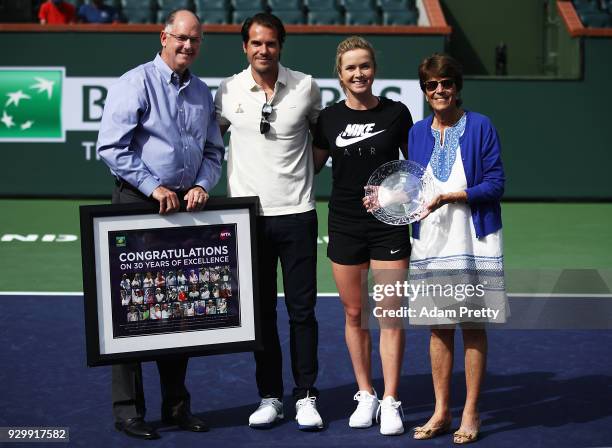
x,y
306,414
270,410
391,423
366,410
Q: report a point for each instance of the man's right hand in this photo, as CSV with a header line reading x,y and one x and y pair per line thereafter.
x,y
168,200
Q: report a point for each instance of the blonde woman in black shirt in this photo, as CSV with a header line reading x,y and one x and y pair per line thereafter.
x,y
361,133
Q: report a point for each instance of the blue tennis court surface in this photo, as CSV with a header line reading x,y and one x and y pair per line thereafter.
x,y
543,388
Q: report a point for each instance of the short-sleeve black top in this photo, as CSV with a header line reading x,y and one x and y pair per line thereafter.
x,y
359,141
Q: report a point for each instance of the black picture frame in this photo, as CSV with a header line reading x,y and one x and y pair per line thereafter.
x,y
110,340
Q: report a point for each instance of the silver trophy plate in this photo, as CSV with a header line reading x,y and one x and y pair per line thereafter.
x,y
399,192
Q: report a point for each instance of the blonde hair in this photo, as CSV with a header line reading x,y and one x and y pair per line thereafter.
x,y
353,43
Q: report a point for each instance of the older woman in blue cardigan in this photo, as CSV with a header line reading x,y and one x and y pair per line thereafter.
x,y
459,232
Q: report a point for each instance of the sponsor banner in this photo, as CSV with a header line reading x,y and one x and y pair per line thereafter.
x,y
39,104
31,104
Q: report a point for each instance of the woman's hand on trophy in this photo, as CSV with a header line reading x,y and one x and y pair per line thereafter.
x,y
380,197
370,200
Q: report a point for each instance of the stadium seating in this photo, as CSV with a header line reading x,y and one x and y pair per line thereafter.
x,y
138,15
367,17
139,4
400,17
325,17
321,5
358,5
204,5
595,19
169,5
216,12
291,12
586,5
361,12
285,5
313,12
393,5
244,9
241,5
239,16
294,17
214,16
594,13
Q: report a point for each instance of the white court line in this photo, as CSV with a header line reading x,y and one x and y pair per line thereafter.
x,y
331,294
558,295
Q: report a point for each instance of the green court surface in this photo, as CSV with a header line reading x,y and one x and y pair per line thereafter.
x,y
549,247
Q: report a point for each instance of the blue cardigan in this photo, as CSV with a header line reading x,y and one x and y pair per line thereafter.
x,y
481,156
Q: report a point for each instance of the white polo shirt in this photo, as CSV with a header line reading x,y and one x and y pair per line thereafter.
x,y
276,166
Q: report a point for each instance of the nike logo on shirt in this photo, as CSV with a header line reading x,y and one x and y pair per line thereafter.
x,y
394,251
341,142
355,133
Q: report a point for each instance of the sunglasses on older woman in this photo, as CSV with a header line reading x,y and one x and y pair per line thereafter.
x,y
430,86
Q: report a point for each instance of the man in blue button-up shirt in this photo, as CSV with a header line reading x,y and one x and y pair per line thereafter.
x,y
161,140
159,133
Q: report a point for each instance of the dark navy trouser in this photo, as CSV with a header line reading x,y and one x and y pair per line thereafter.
x,y
292,239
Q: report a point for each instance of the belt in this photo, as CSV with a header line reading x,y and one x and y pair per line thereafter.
x,y
122,184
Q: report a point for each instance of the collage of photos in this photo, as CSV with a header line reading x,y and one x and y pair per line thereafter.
x,y
149,296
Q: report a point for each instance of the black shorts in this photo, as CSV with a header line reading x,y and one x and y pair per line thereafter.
x,y
355,240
